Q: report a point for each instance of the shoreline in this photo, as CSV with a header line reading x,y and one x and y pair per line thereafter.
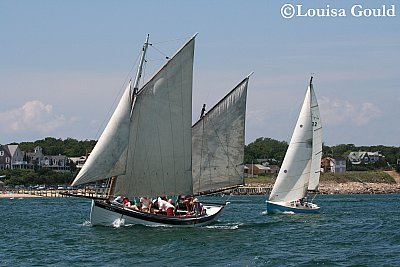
x,y
17,195
325,188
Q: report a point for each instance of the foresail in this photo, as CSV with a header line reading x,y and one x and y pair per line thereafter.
x,y
218,143
317,143
159,149
108,157
292,181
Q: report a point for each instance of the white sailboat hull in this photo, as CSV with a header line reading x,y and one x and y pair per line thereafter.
x,y
108,214
292,207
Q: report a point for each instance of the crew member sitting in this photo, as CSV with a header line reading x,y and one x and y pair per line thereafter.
x,y
198,207
166,206
146,204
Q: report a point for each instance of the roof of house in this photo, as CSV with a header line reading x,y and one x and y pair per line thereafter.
x,y
261,167
6,149
12,149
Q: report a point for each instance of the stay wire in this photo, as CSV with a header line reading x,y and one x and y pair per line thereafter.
x,y
106,118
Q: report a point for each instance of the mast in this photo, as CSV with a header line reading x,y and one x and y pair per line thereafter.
x,y
113,180
139,73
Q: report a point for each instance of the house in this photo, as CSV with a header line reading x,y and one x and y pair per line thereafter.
x,y
17,158
35,156
256,169
55,163
340,164
329,164
78,161
5,157
363,157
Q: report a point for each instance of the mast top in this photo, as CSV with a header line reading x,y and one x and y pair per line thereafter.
x,y
140,68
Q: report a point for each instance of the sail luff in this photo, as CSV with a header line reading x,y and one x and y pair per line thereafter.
x,y
218,143
292,181
317,143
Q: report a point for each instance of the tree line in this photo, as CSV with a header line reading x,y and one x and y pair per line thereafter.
x,y
263,148
274,151
51,146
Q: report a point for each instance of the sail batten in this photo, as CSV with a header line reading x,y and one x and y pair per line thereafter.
x,y
218,143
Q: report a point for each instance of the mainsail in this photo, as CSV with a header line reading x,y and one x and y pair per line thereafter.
x,y
154,157
293,178
218,143
317,143
159,151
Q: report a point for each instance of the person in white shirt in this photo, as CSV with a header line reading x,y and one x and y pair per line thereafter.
x,y
165,206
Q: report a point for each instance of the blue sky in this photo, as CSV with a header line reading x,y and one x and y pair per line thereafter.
x,y
63,64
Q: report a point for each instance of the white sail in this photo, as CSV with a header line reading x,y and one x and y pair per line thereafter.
x,y
292,181
159,148
317,143
218,143
108,157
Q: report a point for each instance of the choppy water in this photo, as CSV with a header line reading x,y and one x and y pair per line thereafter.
x,y
352,230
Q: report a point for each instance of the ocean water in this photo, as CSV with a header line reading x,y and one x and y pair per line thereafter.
x,y
351,230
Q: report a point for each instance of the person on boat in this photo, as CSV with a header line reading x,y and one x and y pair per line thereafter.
x,y
166,207
122,200
118,200
126,201
198,208
203,110
146,204
188,202
132,205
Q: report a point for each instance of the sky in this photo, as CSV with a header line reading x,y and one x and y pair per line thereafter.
x,y
64,64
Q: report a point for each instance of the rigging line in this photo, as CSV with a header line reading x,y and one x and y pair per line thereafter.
x,y
159,51
144,69
173,40
101,126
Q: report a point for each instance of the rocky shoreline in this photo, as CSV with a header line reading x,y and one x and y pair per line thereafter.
x,y
359,188
330,188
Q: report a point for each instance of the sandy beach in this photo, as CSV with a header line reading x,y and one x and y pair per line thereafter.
x,y
14,195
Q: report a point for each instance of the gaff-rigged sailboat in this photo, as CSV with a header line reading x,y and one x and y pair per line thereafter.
x,y
146,148
301,167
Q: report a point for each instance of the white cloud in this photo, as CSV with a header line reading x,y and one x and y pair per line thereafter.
x,y
33,116
336,111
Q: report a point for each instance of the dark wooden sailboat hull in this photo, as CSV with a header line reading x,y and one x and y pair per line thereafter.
x,y
109,214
